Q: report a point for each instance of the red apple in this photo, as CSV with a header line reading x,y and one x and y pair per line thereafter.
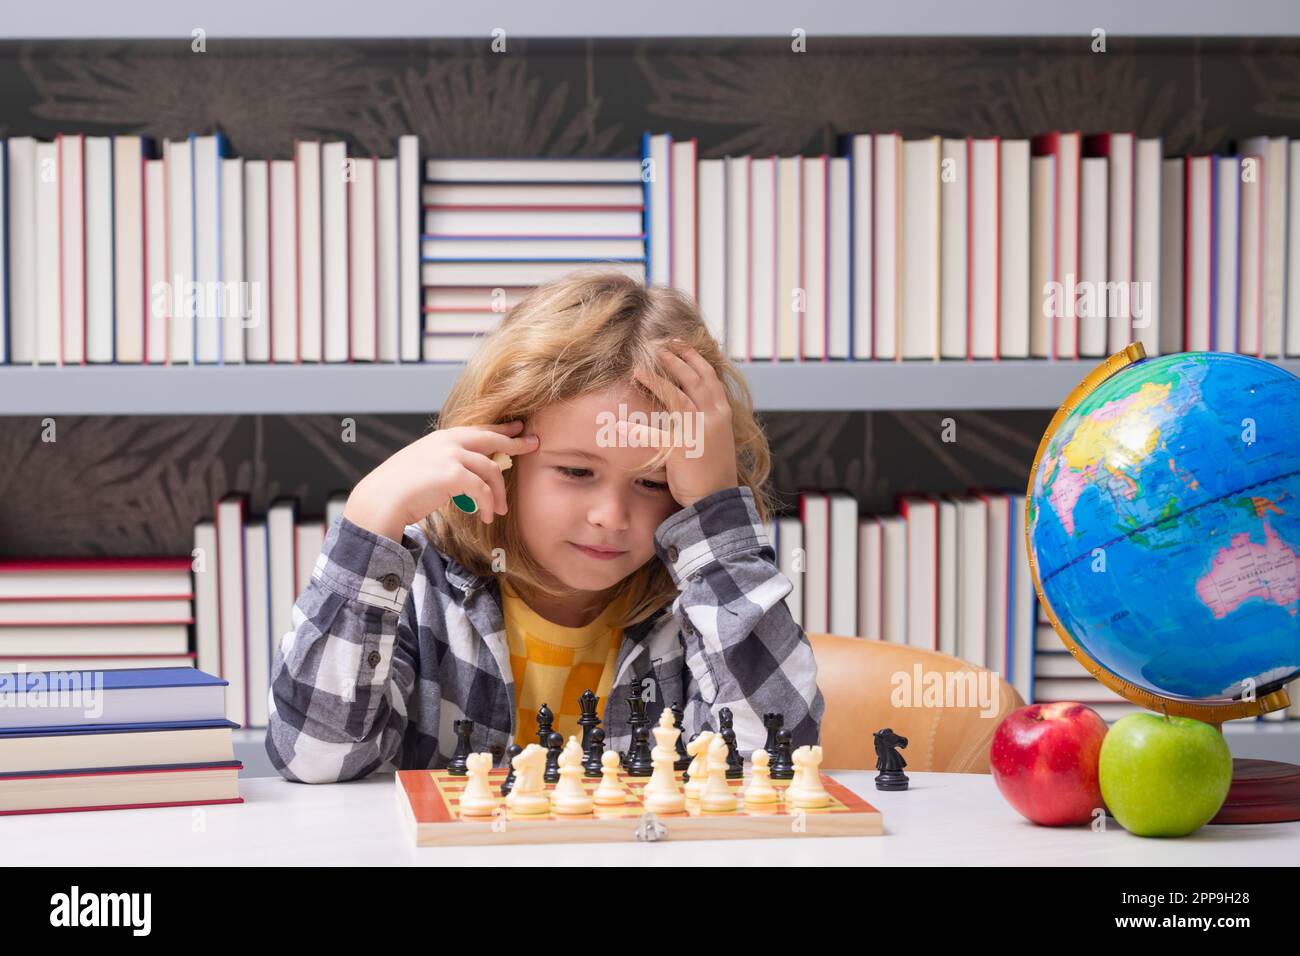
x,y
1044,759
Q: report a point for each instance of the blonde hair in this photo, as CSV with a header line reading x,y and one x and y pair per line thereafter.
x,y
585,332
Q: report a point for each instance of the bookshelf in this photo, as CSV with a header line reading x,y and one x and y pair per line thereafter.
x,y
420,388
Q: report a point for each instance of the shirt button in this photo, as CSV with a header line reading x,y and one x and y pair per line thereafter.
x,y
373,659
672,553
391,582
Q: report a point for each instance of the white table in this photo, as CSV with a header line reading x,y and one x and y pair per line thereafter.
x,y
945,818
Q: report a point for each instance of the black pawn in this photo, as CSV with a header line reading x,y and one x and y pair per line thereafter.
x,y
640,761
457,766
555,743
782,766
595,750
544,721
735,762
773,723
636,718
683,758
513,751
589,719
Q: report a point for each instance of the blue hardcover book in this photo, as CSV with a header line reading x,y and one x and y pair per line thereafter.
x,y
150,696
81,730
645,201
138,768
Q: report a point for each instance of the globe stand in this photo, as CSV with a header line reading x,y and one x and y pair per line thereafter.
x,y
1262,791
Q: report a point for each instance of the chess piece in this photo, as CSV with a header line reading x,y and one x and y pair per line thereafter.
x,y
639,763
589,719
773,723
528,796
889,761
545,720
683,760
807,791
716,795
570,797
698,749
457,766
727,731
661,793
611,792
759,790
636,718
782,764
477,799
513,751
595,751
554,744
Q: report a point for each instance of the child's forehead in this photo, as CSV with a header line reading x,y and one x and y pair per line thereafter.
x,y
585,413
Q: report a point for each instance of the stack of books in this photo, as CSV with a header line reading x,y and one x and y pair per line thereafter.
x,y
248,572
494,228
121,250
95,613
111,740
947,573
1062,246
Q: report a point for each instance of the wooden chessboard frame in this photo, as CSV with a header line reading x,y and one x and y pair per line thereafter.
x,y
427,803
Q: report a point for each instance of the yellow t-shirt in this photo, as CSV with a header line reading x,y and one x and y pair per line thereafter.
x,y
553,664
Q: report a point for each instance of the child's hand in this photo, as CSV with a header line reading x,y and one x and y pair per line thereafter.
x,y
693,389
423,476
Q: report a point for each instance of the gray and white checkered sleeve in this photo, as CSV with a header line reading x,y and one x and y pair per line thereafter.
x,y
743,648
341,679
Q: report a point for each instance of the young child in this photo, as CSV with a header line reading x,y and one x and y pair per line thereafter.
x,y
622,551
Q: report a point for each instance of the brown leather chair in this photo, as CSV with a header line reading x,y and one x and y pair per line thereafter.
x,y
863,683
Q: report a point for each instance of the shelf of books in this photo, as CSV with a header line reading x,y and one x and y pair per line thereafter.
x,y
149,278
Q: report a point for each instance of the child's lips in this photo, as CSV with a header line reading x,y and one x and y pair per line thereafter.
x,y
601,554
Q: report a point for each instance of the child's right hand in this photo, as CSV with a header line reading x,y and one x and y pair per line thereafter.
x,y
422,477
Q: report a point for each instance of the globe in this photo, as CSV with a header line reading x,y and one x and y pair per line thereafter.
x,y
1163,527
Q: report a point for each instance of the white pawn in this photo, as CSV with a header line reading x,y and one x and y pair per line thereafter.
x,y
698,770
759,790
717,794
806,790
661,793
611,792
528,796
569,796
477,799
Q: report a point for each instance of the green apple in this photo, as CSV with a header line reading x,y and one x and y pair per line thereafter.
x,y
1164,776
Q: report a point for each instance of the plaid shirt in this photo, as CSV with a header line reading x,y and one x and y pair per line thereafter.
x,y
393,643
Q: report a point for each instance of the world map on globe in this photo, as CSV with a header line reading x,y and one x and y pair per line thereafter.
x,y
1164,522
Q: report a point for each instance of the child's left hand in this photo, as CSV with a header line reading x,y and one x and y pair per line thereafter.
x,y
692,388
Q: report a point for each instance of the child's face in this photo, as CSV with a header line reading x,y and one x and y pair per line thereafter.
x,y
586,512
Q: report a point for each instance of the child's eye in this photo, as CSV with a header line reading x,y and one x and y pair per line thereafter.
x,y
583,472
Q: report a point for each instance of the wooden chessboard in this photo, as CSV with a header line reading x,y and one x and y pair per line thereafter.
x,y
429,801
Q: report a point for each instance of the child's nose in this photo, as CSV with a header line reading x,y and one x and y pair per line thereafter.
x,y
609,510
